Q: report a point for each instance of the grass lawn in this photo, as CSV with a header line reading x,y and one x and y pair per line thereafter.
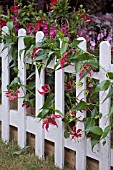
x,y
12,158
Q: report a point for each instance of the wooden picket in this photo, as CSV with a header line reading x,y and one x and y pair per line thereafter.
x,y
24,123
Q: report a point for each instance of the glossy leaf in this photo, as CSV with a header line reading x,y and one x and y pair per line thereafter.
x,y
106,131
81,106
10,25
109,75
95,129
103,86
110,111
110,94
95,139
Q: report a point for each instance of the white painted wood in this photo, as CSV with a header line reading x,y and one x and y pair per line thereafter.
x,y
81,144
112,157
105,62
22,75
59,105
14,120
70,144
5,82
32,125
40,80
94,154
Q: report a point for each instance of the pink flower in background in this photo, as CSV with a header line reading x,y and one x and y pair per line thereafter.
x,y
53,32
45,88
50,120
45,29
12,94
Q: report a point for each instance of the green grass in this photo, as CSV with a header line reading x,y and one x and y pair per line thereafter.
x,y
12,158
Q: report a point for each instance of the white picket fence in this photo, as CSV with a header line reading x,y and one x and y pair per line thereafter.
x,y
18,118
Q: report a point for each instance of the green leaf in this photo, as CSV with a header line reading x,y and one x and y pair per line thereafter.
x,y
89,123
75,43
31,75
43,113
28,41
95,129
81,57
63,48
49,100
106,131
81,106
41,55
95,139
104,85
98,116
60,34
110,111
110,94
10,25
66,134
93,63
59,112
109,75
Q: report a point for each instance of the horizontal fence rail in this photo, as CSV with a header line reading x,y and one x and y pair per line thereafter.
x,y
25,123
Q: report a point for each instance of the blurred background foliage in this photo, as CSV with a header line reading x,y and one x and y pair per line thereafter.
x,y
92,6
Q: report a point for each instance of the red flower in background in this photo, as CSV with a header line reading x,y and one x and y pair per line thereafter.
x,y
2,23
14,9
30,25
83,16
39,23
50,120
45,88
53,2
69,84
88,20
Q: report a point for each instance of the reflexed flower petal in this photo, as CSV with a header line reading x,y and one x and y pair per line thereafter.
x,y
45,88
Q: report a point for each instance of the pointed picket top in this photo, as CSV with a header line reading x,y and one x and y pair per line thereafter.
x,y
105,55
39,36
82,44
5,30
21,32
